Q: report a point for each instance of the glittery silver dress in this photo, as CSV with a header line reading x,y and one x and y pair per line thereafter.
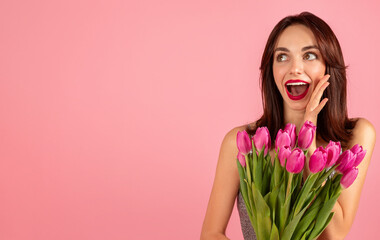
x,y
246,227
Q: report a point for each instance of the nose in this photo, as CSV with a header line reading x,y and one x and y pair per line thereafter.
x,y
296,67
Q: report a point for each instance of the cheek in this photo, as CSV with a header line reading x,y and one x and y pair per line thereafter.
x,y
279,73
277,76
317,71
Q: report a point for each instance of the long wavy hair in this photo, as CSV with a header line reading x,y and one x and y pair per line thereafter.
x,y
332,122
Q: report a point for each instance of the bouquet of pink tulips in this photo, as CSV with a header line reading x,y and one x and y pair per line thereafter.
x,y
279,204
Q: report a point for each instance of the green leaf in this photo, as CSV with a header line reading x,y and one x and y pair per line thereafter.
x,y
336,186
254,166
297,179
305,191
259,170
289,229
289,184
266,178
306,234
251,202
324,227
264,222
322,217
277,172
274,233
284,214
307,220
266,198
272,202
324,176
249,167
243,185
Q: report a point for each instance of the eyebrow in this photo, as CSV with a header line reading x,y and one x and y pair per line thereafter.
x,y
303,49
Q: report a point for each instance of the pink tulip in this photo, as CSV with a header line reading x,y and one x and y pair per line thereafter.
x,y
296,161
262,137
356,148
306,135
241,159
282,139
349,177
283,154
333,150
318,160
243,142
360,154
346,161
291,129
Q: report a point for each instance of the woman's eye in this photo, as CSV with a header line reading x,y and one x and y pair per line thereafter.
x,y
281,57
310,56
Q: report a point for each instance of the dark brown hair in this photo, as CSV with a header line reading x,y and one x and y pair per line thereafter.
x,y
333,122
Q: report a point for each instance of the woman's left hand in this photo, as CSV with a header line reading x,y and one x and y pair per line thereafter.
x,y
315,104
313,108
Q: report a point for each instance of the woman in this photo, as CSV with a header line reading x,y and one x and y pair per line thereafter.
x,y
303,77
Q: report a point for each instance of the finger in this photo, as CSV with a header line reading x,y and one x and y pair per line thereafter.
x,y
323,80
321,105
320,91
314,102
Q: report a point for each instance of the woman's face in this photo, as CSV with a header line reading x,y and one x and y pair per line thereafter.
x,y
297,65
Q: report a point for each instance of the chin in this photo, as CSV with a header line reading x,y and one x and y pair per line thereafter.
x,y
297,105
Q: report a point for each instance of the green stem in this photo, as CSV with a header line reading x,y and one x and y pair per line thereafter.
x,y
289,187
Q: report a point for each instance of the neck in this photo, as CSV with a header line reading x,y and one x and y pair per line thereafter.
x,y
294,116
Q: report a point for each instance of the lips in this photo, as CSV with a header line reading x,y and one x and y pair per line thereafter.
x,y
296,82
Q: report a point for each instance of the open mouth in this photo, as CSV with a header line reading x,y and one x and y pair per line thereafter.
x,y
296,89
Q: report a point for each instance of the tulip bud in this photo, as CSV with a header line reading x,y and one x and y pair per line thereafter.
x,y
356,148
262,137
243,142
296,161
318,160
282,139
306,135
346,161
349,177
241,159
283,154
333,150
291,129
360,154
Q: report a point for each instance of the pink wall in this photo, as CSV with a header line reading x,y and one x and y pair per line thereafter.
x,y
113,112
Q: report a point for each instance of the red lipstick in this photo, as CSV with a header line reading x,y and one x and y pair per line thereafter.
x,y
299,97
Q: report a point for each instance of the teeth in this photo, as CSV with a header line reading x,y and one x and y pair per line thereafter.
x,y
297,83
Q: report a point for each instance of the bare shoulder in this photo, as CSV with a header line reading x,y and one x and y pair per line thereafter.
x,y
225,187
230,137
364,134
227,156
364,124
364,131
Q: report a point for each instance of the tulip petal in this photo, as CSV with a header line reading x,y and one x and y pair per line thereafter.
x,y
291,129
296,161
243,142
282,139
349,177
306,135
359,157
241,159
318,160
261,138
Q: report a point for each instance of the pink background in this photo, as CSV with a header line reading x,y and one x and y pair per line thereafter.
x,y
113,112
